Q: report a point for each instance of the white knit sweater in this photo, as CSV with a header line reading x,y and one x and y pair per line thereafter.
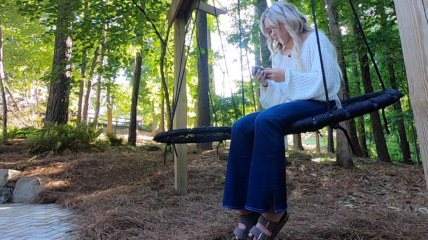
x,y
307,85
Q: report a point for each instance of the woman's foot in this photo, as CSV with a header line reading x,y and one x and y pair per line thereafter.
x,y
271,217
247,219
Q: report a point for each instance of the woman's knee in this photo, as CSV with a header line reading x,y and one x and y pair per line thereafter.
x,y
245,124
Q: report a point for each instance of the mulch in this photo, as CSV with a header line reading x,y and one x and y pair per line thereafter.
x,y
128,193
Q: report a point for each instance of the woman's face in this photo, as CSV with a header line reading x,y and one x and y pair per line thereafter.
x,y
280,35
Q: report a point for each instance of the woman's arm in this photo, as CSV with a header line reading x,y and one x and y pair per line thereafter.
x,y
270,92
309,84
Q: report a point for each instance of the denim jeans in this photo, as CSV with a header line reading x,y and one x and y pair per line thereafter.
x,y
255,177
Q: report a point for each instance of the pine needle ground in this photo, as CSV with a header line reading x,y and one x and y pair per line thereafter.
x,y
128,193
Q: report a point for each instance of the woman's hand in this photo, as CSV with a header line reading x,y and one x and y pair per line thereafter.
x,y
277,74
261,77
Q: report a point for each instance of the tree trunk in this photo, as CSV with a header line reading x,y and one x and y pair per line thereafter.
x,y
330,140
57,107
132,139
343,151
203,76
415,142
264,50
162,120
2,79
404,143
99,88
297,142
317,143
153,118
259,105
83,70
381,147
89,87
109,110
360,120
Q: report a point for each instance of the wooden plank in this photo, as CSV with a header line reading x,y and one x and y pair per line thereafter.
x,y
210,9
180,118
188,6
173,11
412,18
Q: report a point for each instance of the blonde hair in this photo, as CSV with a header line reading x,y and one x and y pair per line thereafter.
x,y
294,22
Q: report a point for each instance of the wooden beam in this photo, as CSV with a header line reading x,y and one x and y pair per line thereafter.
x,y
175,8
210,9
412,16
180,118
188,6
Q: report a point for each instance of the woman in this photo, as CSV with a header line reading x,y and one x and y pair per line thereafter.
x,y
293,89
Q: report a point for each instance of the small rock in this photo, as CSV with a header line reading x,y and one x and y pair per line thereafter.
x,y
223,156
153,148
27,190
66,152
300,156
8,175
5,194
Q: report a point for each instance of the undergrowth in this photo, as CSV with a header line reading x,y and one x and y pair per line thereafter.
x,y
56,138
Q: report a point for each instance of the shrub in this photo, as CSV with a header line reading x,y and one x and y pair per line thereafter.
x,y
56,138
22,132
114,140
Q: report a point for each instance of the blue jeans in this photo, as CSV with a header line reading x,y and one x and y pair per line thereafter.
x,y
255,177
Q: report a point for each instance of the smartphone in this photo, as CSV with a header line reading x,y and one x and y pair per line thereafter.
x,y
255,69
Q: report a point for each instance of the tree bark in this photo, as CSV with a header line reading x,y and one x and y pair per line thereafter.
x,y
264,50
381,147
203,77
360,120
89,87
404,143
83,70
132,139
57,107
317,143
153,118
109,110
2,79
330,140
297,142
162,120
343,151
99,88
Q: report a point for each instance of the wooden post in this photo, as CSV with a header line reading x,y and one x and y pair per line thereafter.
x,y
180,117
180,11
412,18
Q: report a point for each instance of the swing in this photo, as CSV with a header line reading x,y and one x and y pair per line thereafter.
x,y
351,108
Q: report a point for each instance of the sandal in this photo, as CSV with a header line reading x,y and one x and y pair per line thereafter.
x,y
248,220
273,227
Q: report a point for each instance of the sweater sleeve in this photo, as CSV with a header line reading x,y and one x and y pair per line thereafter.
x,y
272,95
309,84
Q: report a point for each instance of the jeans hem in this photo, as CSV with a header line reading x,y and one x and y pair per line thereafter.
x,y
233,207
264,210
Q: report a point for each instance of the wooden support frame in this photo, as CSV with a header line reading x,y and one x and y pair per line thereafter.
x,y
179,14
412,18
187,6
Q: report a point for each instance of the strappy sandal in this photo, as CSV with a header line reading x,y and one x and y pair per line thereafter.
x,y
248,220
273,227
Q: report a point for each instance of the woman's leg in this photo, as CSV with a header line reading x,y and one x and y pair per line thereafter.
x,y
238,170
267,191
239,163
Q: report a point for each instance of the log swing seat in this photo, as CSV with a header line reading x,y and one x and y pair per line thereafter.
x,y
351,108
